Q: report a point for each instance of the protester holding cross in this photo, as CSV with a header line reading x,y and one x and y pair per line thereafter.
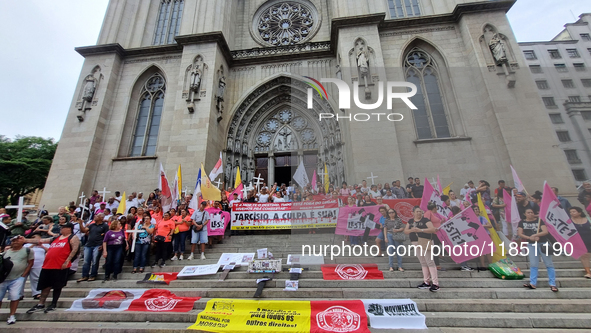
x,y
142,243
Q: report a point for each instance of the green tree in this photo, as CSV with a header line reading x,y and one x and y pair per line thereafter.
x,y
24,166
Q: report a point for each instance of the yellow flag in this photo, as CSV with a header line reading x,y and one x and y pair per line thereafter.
x,y
447,189
208,190
326,179
180,181
498,254
121,208
238,179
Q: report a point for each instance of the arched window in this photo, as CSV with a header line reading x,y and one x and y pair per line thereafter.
x,y
145,133
404,8
169,21
430,117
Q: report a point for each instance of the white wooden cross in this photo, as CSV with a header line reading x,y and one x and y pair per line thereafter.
x,y
104,194
134,232
372,178
186,190
246,189
218,182
21,205
83,208
82,199
258,181
322,174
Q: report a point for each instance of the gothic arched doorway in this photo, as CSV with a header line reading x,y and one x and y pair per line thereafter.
x,y
272,131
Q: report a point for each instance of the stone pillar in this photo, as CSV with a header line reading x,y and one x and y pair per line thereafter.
x,y
573,110
271,170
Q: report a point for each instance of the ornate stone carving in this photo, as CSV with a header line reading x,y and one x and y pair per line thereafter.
x,y
219,97
86,97
417,31
280,50
195,82
285,22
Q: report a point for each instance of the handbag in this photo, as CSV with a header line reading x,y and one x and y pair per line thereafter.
x,y
160,238
176,230
398,236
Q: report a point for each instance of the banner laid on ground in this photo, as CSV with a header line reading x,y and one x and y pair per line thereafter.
x,y
239,259
343,316
466,237
394,314
559,224
160,300
353,220
403,207
199,270
108,300
351,272
161,278
287,215
218,222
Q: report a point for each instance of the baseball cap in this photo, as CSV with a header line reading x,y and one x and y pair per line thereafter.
x,y
68,225
521,193
15,237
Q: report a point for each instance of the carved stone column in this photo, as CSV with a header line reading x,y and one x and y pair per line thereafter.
x,y
271,169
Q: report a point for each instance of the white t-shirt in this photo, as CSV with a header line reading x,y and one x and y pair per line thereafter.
x,y
112,206
374,193
364,189
263,198
39,254
275,199
233,201
129,204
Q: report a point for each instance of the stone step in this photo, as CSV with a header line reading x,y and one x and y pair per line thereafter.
x,y
433,319
424,305
363,293
320,283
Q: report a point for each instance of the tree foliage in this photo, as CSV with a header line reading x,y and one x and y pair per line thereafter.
x,y
24,166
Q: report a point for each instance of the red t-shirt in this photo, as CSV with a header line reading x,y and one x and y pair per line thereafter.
x,y
163,228
57,254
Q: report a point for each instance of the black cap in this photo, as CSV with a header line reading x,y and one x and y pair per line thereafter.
x,y
68,225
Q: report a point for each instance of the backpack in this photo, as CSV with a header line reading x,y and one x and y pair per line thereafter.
x,y
6,265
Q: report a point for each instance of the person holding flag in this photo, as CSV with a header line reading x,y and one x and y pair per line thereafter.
x,y
534,231
583,225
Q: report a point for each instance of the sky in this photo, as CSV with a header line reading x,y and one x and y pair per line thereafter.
x,y
39,68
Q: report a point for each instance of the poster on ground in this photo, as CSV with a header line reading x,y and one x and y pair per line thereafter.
x,y
198,270
394,314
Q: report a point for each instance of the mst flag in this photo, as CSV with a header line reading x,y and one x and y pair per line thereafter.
x,y
160,300
300,175
559,224
217,169
351,272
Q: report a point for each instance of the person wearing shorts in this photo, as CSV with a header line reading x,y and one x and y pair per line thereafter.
x,y
199,221
22,260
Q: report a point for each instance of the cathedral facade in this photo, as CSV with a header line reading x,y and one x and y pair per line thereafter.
x,y
178,81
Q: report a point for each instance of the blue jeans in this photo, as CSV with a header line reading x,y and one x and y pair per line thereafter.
x,y
179,241
354,240
391,250
91,256
141,255
114,257
535,260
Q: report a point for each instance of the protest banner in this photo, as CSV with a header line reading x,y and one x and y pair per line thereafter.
x,y
239,259
160,300
218,222
432,194
402,206
351,272
338,316
394,314
353,220
465,228
560,225
199,270
287,215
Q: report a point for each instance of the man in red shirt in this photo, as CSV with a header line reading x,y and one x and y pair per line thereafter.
x,y
58,259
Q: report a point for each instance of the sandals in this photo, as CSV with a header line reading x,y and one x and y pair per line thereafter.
x,y
554,289
391,269
531,286
588,276
37,296
141,270
134,271
400,269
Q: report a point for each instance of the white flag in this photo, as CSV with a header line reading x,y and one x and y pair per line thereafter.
x,y
175,192
300,175
217,169
517,181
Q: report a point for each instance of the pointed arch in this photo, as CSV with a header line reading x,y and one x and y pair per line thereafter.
x,y
142,122
425,66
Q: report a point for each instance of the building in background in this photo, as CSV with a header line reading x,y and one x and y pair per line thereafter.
x,y
561,69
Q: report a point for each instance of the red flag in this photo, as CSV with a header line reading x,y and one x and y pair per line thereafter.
x,y
159,278
160,300
351,272
338,316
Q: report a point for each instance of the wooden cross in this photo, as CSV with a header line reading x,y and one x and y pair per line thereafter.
x,y
372,178
218,182
104,194
82,198
258,181
186,190
134,232
21,205
245,190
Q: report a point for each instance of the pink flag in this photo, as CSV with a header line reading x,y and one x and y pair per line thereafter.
x,y
465,229
431,194
238,191
517,181
353,220
507,201
314,185
559,224
219,220
439,185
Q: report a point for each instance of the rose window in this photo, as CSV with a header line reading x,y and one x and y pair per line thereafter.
x,y
286,23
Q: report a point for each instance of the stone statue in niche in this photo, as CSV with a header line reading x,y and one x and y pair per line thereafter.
x,y
88,90
498,49
362,61
284,140
228,173
195,76
220,93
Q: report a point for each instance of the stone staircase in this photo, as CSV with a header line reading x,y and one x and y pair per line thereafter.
x,y
467,302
